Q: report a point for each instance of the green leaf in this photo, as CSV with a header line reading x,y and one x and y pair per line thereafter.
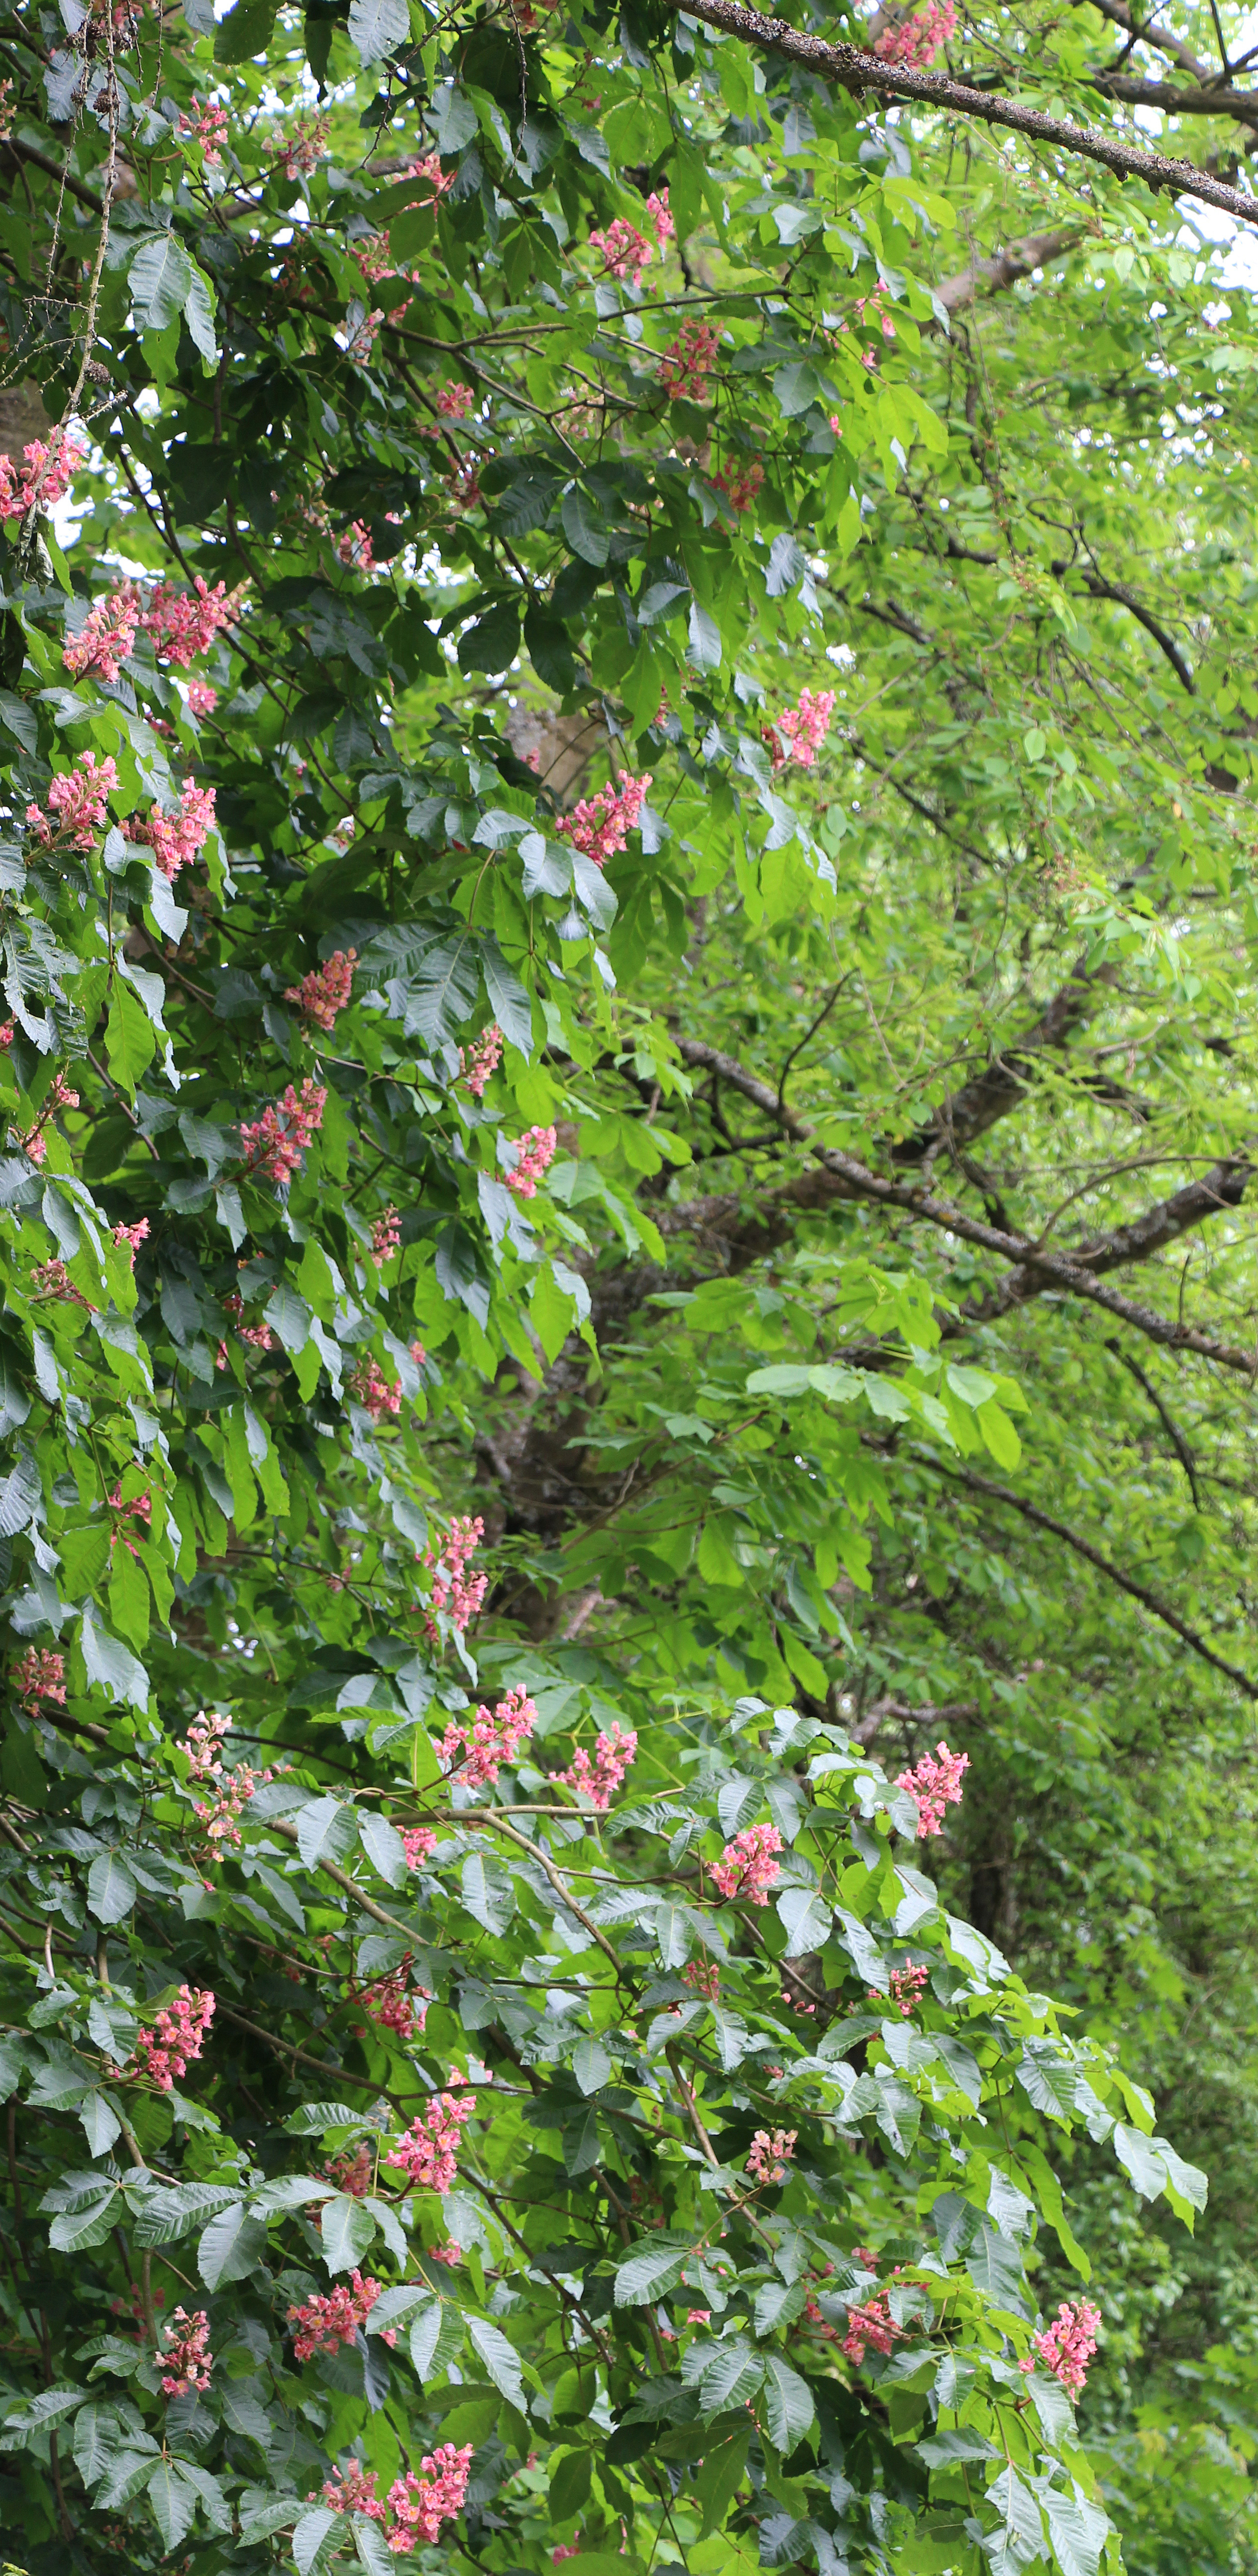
x,y
649,2271
173,2497
500,2358
348,2230
159,276
111,1889
378,27
585,527
327,1829
788,2406
230,2247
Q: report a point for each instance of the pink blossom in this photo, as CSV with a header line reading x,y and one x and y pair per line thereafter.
x,y
207,127
600,825
301,152
484,1059
201,698
40,1675
184,623
906,1984
625,250
935,1785
747,1866
704,1978
698,2316
418,1353
917,40
78,798
416,2504
49,471
454,402
566,2549
362,340
419,1842
187,2358
176,839
799,732
392,2006
451,2254
51,1278
376,1393
8,1032
1066,2345
871,2324
354,547
740,484
352,2172
105,638
428,2153
769,2155
324,2323
535,1152
326,989
665,228
370,253
259,1335
494,1737
133,1235
599,1780
438,180
274,1143
177,2036
232,1789
386,1237
688,361
452,1589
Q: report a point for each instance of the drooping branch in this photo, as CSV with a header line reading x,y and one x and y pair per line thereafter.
x,y
851,68
1092,1555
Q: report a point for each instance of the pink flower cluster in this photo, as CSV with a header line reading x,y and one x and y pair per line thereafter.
x,y
770,2155
907,1985
935,1785
484,1058
323,2323
132,1235
535,1152
626,252
232,1789
187,2359
419,1842
416,2504
689,360
352,2171
438,180
201,698
376,1393
428,2154
326,989
657,209
703,1979
917,40
1066,2346
599,1780
871,2324
392,2006
453,1590
492,1739
105,638
49,471
799,732
386,1236
184,623
302,151
600,825
747,1866
78,799
177,2036
740,484
207,127
275,1142
40,1675
454,402
176,839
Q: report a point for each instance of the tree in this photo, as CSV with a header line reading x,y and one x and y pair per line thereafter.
x,y
586,604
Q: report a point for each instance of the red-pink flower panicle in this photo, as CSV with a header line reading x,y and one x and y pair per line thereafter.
x,y
105,638
917,40
747,1866
494,1737
177,2036
740,484
704,1978
689,360
769,2155
600,1779
207,126
1066,2345
428,2154
535,1152
657,209
324,2323
626,252
301,151
871,2324
376,1393
799,732
481,1060
907,1985
41,1674
183,623
77,798
132,1235
187,2359
45,478
454,402
201,698
935,1784
386,1236
176,839
326,989
417,2503
600,824
454,1591
419,1842
274,1143
232,1789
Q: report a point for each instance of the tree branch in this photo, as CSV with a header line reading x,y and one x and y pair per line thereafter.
x,y
851,68
1004,268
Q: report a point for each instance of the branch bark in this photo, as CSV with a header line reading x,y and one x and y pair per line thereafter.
x,y
851,68
1005,268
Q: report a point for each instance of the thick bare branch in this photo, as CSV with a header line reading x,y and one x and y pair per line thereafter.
x,y
851,68
1006,267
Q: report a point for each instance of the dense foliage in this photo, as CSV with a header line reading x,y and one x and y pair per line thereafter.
x,y
628,1350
